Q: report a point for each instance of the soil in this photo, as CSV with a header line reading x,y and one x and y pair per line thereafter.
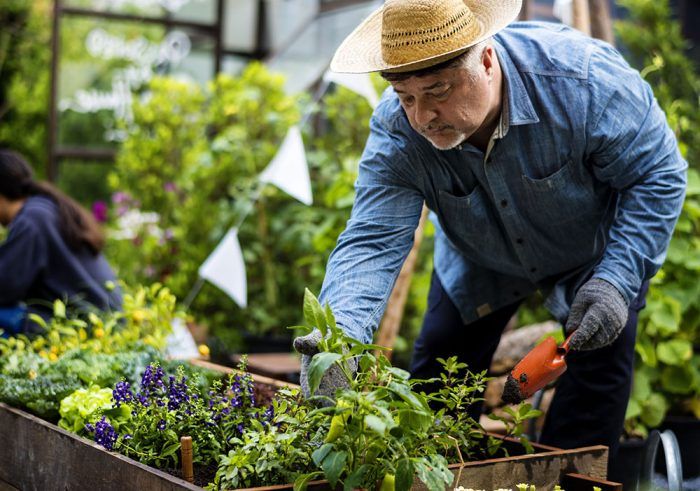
x,y
203,475
511,391
264,394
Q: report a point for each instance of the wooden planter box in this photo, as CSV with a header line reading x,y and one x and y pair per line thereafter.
x,y
37,455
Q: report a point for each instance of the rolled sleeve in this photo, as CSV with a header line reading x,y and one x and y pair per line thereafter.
x,y
363,267
632,148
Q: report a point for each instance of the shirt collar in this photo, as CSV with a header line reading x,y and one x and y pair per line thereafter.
x,y
517,106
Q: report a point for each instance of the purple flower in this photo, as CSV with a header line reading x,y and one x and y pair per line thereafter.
x,y
99,211
161,425
169,187
104,433
122,393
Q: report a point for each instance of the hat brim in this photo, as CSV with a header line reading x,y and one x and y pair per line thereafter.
x,y
361,51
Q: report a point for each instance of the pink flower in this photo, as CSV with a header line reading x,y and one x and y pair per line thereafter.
x,y
120,197
169,187
99,211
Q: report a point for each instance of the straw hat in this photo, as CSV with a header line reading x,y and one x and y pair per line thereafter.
x,y
407,35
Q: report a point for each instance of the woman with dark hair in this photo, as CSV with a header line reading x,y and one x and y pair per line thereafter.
x,y
52,251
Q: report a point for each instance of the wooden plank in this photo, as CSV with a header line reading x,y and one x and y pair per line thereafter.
x,y
258,379
7,487
578,482
36,455
544,470
275,365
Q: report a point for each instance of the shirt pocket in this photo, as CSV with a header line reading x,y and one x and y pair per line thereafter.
x,y
471,225
561,197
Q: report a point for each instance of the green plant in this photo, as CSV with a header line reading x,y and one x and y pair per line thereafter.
x,y
24,77
381,429
81,406
667,374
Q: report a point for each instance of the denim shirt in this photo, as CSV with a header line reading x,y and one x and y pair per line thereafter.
x,y
587,182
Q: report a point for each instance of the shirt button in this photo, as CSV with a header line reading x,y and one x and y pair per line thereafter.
x,y
519,240
504,203
532,270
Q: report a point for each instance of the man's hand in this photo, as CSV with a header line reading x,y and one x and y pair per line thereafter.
x,y
333,379
598,315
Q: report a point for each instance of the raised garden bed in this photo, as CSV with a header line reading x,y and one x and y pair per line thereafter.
x,y
37,455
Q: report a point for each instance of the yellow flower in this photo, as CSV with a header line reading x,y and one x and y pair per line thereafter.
x,y
99,332
32,374
53,356
54,350
43,353
204,350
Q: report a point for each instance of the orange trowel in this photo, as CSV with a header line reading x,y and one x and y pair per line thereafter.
x,y
542,365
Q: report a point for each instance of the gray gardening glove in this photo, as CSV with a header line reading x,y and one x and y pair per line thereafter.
x,y
332,380
598,315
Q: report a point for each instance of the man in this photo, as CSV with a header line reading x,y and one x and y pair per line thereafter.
x,y
548,166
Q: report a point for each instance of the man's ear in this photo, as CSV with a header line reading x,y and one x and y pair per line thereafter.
x,y
487,59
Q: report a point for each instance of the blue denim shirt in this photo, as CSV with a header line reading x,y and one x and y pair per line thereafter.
x,y
587,181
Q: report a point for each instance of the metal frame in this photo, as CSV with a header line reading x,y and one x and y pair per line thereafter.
x,y
213,30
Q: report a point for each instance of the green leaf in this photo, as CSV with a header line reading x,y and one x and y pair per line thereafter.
x,y
354,480
404,475
320,454
319,364
675,351
647,352
633,409
301,482
59,309
678,379
641,386
313,312
666,318
654,410
375,424
334,465
170,449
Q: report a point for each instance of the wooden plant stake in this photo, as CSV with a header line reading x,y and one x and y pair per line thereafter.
x,y
389,328
581,16
601,23
186,460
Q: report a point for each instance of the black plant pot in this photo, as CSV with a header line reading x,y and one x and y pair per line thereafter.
x,y
687,431
627,465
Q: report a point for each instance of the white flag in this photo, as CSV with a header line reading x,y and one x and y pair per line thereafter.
x,y
564,10
225,268
289,170
357,82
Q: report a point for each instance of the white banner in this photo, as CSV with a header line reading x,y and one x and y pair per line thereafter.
x,y
564,10
357,82
289,170
225,268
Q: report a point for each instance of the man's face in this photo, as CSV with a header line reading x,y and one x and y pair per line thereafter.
x,y
447,107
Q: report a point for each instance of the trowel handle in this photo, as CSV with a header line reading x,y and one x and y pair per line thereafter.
x,y
564,348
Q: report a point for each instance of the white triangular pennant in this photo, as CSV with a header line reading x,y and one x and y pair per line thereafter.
x,y
225,268
357,82
564,10
289,170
